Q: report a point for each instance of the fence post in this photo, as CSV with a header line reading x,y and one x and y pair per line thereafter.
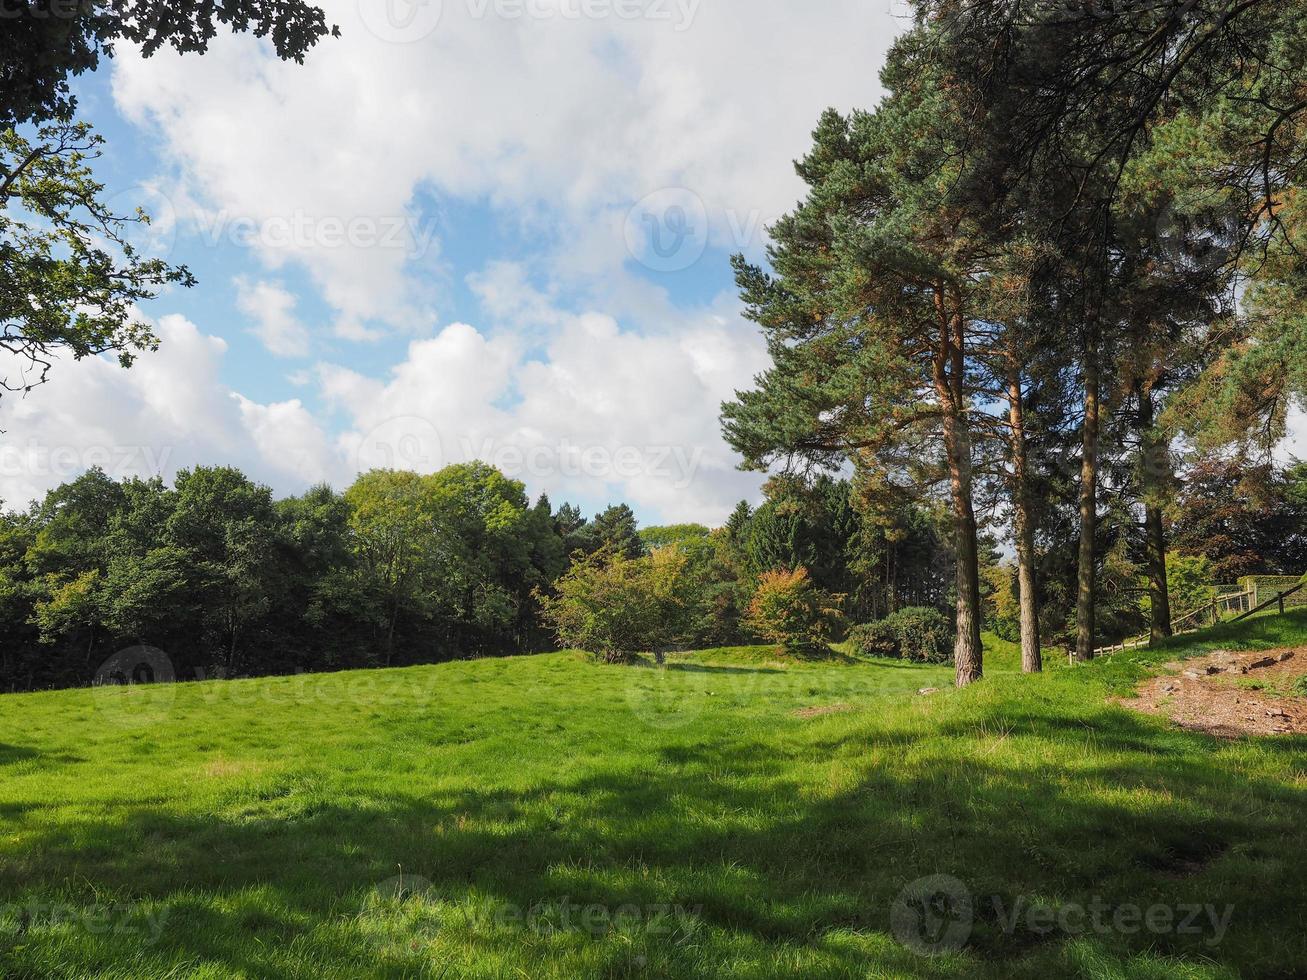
x,y
1281,603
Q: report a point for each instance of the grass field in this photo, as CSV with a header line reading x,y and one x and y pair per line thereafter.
x,y
550,817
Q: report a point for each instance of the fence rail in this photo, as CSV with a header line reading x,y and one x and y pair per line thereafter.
x,y
1245,602
1274,600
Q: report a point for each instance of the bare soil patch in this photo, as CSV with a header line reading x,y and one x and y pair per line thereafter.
x,y
824,709
1231,694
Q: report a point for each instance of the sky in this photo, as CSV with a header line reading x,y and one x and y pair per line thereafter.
x,y
465,229
469,229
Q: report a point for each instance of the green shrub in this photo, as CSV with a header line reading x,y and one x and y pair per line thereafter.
x,y
614,606
915,633
1001,600
1188,582
878,639
789,610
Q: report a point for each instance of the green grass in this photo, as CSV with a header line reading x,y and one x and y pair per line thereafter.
x,y
255,828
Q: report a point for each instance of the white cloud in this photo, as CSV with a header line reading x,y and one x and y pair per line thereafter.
x,y
601,414
604,415
1294,444
168,412
581,377
273,310
508,297
561,122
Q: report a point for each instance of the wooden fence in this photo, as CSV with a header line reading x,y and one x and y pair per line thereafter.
x,y
1255,593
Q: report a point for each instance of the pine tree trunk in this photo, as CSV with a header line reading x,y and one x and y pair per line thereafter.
x,y
390,632
1158,591
1154,461
1032,661
968,656
1086,585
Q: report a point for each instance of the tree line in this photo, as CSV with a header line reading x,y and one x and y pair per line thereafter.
x,y
402,568
1055,268
399,568
1049,286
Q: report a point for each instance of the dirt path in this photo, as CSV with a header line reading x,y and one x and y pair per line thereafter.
x,y
1231,694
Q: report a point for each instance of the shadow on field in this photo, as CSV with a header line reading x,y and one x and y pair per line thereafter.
x,y
709,669
1147,817
15,753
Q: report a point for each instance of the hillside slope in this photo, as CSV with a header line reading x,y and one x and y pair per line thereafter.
x,y
732,816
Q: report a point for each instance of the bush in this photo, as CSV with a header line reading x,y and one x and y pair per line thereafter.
x,y
1002,601
878,639
614,606
1188,582
789,610
914,633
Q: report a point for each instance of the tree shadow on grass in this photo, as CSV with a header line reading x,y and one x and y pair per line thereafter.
x,y
12,754
761,853
15,753
688,668
884,664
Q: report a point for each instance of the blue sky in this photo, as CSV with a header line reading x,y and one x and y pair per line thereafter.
x,y
476,228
